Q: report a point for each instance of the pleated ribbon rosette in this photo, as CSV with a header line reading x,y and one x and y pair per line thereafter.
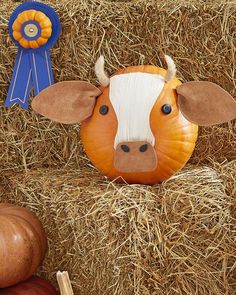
x,y
34,27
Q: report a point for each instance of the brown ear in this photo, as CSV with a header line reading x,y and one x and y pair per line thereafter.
x,y
205,103
67,102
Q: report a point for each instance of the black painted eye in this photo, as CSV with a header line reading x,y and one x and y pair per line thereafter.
x,y
103,110
166,109
125,148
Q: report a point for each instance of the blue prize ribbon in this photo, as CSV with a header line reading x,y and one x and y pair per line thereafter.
x,y
42,75
33,68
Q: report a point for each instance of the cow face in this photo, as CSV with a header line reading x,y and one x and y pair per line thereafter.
x,y
141,125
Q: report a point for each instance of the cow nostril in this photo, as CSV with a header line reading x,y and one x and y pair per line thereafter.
x,y
125,148
143,148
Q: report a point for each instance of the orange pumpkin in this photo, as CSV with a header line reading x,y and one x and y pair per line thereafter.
x,y
32,24
33,286
141,125
175,135
23,244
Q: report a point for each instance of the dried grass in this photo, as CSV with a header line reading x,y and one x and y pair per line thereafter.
x,y
199,36
174,238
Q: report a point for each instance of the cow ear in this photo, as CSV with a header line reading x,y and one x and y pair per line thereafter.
x,y
205,103
67,102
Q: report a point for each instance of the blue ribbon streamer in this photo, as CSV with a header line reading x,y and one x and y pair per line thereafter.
x,y
33,66
31,69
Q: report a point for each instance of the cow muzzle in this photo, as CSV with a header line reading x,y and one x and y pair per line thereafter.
x,y
138,156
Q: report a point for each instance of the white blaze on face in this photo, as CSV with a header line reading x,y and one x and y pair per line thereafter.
x,y
133,96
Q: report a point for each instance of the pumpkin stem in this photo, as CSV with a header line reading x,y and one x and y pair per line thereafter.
x,y
64,283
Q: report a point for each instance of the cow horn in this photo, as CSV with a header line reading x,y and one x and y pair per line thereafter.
x,y
171,71
100,72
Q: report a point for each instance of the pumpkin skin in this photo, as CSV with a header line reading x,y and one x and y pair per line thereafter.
x,y
23,244
175,135
33,286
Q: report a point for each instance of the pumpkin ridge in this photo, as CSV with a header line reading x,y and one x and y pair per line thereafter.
x,y
164,171
160,150
14,226
4,248
171,157
24,214
101,160
32,228
169,169
43,284
176,128
36,255
22,228
171,132
184,148
179,141
33,286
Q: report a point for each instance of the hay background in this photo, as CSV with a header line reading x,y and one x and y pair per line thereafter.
x,y
173,238
43,166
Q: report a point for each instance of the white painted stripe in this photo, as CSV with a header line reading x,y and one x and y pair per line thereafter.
x,y
35,71
16,76
27,87
49,76
133,96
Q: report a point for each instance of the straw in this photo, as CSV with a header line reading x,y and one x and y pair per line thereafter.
x,y
64,283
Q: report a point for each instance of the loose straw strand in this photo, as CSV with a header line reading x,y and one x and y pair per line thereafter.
x,y
64,283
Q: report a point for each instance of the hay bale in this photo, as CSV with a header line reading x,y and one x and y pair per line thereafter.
x,y
200,37
174,238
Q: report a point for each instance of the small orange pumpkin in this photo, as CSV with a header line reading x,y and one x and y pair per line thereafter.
x,y
175,135
33,286
32,29
23,244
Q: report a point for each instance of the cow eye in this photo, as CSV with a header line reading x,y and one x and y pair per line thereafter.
x,y
166,109
103,110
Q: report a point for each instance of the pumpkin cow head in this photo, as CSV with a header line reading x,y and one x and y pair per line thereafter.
x,y
141,125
